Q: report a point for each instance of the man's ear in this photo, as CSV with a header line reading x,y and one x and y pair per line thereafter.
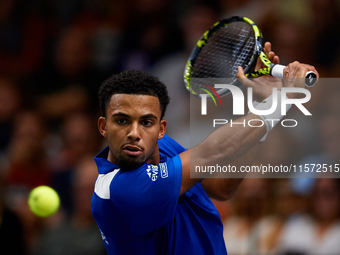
x,y
162,129
102,126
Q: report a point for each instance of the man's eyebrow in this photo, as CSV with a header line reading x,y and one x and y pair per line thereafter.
x,y
149,116
146,116
120,114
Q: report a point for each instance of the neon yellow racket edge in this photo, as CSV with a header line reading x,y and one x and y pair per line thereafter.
x,y
229,43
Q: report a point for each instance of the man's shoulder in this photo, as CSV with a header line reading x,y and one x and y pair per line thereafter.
x,y
169,146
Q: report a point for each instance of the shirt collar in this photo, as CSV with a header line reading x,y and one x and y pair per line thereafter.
x,y
104,166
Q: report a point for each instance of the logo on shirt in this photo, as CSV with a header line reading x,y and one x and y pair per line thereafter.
x,y
103,237
164,170
152,172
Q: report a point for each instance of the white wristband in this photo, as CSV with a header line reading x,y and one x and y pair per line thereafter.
x,y
270,120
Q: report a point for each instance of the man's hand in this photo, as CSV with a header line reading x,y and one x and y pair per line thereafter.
x,y
262,86
294,76
270,55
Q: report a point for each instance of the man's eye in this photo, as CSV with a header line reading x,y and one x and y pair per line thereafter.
x,y
146,123
121,121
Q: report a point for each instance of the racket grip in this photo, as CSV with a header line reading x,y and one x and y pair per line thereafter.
x,y
310,79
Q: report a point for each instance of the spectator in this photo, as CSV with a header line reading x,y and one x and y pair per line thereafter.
x,y
170,70
69,84
77,234
252,203
79,137
28,165
11,228
320,233
151,34
10,101
23,38
27,169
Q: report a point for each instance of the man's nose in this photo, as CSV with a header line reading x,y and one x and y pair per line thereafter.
x,y
134,132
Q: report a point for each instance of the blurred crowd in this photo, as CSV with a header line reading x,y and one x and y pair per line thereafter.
x,y
54,54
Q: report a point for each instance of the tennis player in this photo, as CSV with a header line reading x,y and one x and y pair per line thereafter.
x,y
144,200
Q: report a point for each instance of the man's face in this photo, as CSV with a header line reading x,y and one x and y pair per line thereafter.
x,y
132,127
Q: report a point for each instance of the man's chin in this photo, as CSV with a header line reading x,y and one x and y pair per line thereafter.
x,y
128,165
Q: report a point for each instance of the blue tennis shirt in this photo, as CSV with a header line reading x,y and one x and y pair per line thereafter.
x,y
141,212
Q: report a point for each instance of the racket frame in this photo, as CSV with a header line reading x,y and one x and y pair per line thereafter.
x,y
257,52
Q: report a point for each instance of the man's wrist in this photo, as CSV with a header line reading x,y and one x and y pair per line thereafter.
x,y
270,120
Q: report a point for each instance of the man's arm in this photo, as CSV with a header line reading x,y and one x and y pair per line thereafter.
x,y
224,188
225,144
228,143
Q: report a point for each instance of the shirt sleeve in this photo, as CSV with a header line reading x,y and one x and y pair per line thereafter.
x,y
169,146
147,197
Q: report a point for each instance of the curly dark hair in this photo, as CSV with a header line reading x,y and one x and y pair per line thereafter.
x,y
133,82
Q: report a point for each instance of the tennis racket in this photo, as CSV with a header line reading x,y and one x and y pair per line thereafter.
x,y
229,43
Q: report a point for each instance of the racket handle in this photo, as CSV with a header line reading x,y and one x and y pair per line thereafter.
x,y
310,79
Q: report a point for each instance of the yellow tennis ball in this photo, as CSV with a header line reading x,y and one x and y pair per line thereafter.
x,y
43,201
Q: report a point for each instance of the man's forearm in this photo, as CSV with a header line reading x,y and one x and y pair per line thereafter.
x,y
224,188
227,143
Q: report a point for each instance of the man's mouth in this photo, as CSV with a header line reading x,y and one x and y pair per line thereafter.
x,y
132,150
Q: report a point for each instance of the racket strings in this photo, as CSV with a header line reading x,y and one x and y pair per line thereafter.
x,y
246,47
230,47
